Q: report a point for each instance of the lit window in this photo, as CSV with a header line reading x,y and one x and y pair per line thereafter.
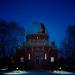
x,y
52,59
21,59
37,37
45,56
29,56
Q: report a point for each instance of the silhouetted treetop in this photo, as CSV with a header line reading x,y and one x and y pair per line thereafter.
x,y
68,44
11,36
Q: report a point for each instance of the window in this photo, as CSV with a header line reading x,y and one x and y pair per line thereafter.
x,y
37,37
52,59
21,59
45,56
29,56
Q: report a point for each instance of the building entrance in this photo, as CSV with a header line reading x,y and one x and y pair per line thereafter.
x,y
38,58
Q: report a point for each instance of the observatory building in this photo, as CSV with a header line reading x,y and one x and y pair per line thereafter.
x,y
37,52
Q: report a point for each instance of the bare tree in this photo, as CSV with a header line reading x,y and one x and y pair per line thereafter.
x,y
68,44
11,36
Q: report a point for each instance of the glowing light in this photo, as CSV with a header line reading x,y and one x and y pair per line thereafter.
x,y
60,68
17,68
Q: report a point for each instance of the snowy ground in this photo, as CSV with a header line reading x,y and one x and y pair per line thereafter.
x,y
62,72
38,73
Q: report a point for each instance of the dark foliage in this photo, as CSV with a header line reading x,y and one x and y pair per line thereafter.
x,y
11,36
68,48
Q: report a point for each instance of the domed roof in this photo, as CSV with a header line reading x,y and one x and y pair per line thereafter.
x,y
38,28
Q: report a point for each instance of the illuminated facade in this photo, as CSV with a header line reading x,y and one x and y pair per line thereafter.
x,y
37,51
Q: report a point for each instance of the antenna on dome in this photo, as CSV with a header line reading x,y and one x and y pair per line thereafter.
x,y
42,29
38,27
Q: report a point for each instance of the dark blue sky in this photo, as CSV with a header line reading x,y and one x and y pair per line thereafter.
x,y
55,14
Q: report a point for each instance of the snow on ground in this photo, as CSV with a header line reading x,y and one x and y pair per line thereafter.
x,y
62,72
19,72
16,72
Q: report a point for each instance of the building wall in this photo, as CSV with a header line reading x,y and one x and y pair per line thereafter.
x,y
37,51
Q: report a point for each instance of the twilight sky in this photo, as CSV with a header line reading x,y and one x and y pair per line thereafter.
x,y
55,14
